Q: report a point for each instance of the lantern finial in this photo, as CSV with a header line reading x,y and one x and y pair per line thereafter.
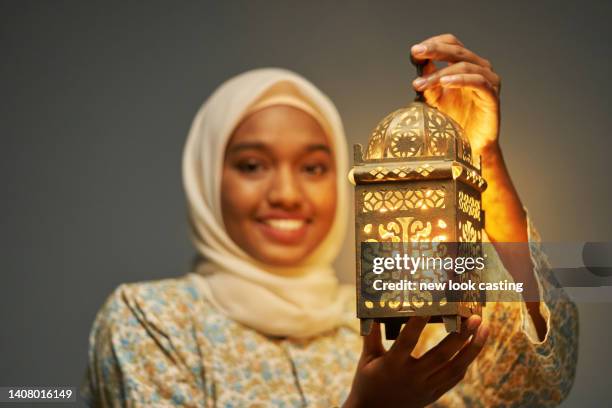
x,y
420,67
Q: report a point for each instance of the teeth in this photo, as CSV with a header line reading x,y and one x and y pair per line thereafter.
x,y
286,225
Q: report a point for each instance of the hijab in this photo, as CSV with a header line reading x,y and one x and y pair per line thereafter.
x,y
300,301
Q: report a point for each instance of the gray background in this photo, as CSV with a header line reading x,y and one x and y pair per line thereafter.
x,y
96,101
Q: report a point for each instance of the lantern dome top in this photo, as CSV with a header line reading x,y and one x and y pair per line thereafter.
x,y
415,131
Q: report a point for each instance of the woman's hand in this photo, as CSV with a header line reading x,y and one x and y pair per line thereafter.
x,y
467,89
394,378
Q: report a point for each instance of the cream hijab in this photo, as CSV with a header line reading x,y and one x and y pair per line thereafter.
x,y
302,301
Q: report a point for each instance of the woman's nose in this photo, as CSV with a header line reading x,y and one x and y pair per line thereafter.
x,y
285,190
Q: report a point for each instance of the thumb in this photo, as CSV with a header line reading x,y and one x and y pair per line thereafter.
x,y
372,344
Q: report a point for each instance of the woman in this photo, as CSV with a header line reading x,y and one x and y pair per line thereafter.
x,y
263,320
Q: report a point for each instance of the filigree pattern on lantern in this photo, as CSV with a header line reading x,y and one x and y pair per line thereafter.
x,y
406,144
422,298
470,298
468,233
472,175
380,172
402,171
441,132
466,152
374,298
395,200
424,170
376,145
416,299
401,299
402,229
417,130
469,205
406,134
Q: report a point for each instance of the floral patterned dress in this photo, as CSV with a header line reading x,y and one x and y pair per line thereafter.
x,y
162,344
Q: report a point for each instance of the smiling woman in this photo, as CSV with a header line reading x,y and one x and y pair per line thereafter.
x,y
263,320
279,198
264,172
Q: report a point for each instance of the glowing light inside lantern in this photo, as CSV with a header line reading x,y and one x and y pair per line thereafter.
x,y
387,235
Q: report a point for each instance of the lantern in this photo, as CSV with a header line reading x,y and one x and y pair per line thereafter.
x,y
417,185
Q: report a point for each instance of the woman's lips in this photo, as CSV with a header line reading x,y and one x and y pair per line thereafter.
x,y
287,231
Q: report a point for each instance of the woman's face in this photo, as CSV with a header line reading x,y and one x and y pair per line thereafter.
x,y
279,185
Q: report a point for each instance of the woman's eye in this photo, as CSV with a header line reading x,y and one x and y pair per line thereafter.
x,y
315,169
250,166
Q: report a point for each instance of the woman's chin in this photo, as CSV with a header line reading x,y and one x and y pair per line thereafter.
x,y
281,248
280,255
287,252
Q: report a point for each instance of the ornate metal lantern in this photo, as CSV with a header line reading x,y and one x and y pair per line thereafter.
x,y
418,185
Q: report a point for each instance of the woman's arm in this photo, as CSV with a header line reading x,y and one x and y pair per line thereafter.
x,y
507,222
468,90
516,369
